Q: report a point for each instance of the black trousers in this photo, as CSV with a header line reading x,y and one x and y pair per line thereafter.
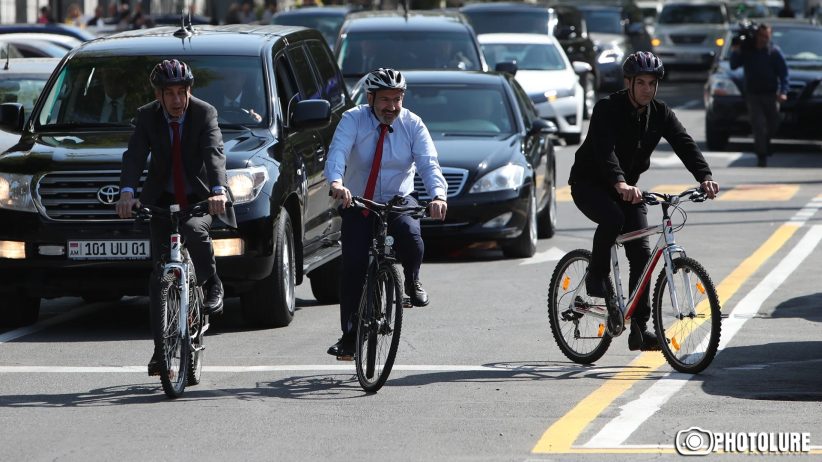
x,y
198,242
613,216
356,240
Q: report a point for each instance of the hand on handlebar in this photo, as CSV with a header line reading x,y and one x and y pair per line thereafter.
x,y
341,193
217,204
126,204
711,188
628,193
437,209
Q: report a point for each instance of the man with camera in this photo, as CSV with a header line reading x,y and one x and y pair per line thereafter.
x,y
766,83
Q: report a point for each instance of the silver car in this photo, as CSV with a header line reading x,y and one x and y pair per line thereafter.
x,y
689,35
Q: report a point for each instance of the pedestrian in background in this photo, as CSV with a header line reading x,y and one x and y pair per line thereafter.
x,y
766,86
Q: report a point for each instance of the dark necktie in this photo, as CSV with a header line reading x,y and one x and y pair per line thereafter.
x,y
177,166
113,116
375,167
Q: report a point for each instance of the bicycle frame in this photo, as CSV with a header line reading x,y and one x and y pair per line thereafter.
x,y
176,265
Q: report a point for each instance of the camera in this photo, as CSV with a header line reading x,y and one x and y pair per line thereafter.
x,y
745,36
694,442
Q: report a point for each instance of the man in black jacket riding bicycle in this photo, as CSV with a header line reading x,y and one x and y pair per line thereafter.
x,y
625,129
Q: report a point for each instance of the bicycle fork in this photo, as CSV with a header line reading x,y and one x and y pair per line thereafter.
x,y
178,266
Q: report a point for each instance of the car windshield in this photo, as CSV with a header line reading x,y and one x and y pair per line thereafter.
x,y
603,21
21,89
528,56
362,52
328,24
85,88
691,14
799,44
529,22
458,109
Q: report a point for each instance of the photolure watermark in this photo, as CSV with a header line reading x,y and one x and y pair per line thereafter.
x,y
696,441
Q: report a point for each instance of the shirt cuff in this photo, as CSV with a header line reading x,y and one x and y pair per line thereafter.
x,y
218,190
127,189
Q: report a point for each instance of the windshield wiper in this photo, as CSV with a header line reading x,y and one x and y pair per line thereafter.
x,y
483,134
87,125
232,126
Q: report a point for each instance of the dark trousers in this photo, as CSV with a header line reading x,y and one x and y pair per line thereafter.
x,y
195,238
356,240
764,113
613,216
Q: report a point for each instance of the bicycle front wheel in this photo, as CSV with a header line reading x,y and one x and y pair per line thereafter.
x,y
174,372
580,335
196,330
688,335
379,323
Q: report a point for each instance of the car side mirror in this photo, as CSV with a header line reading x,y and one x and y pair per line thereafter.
x,y
509,67
543,126
11,117
582,68
311,114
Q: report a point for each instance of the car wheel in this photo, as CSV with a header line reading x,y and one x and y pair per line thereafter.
x,y
271,302
715,140
547,218
19,310
590,95
524,246
326,282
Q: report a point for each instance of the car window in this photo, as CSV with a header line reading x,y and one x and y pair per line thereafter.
x,y
328,25
691,14
528,56
362,52
531,22
330,78
305,76
458,109
286,84
23,90
799,44
85,84
526,107
603,21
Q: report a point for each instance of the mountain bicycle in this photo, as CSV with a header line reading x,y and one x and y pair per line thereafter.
x,y
685,307
379,317
180,298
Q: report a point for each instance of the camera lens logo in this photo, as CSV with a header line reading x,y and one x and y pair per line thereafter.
x,y
694,442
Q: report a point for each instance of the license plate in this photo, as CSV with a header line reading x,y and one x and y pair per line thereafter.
x,y
109,250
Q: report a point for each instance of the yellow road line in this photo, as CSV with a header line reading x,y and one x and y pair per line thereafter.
x,y
760,192
560,437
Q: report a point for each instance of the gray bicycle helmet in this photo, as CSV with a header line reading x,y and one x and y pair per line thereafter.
x,y
643,62
384,79
171,72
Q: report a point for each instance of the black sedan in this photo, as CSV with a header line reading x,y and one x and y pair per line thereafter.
x,y
726,112
326,19
495,152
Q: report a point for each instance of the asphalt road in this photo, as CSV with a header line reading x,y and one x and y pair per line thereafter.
x,y
478,376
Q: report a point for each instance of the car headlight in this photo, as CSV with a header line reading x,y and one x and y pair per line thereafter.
x,y
722,85
507,177
15,192
551,95
246,183
656,41
610,55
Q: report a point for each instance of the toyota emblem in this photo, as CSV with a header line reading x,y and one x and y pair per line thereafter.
x,y
108,194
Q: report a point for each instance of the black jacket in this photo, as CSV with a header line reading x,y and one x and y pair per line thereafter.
x,y
620,142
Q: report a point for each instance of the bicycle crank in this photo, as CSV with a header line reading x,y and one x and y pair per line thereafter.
x,y
615,325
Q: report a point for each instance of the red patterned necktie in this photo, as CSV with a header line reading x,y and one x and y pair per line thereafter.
x,y
177,166
375,167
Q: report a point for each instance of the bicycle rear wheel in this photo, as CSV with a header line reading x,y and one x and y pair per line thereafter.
x,y
581,337
689,337
196,329
176,358
379,323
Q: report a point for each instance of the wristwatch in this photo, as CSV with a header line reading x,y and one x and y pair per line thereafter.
x,y
439,198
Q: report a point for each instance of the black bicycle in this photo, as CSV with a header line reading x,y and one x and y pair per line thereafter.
x,y
175,290
379,318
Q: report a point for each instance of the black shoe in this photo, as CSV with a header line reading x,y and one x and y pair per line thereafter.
x,y
642,339
344,348
213,291
155,364
595,285
761,161
414,291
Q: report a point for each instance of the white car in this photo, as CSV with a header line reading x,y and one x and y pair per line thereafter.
x,y
544,72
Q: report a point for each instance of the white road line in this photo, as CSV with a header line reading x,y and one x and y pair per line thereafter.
x,y
60,318
633,414
552,254
348,367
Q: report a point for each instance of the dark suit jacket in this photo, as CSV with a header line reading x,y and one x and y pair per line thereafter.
x,y
202,144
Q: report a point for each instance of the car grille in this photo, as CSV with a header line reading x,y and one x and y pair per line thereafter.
x,y
455,177
689,39
80,196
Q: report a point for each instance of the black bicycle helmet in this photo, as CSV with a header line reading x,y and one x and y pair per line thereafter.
x,y
171,72
384,79
643,62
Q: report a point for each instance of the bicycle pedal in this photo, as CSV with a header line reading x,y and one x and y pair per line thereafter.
x,y
345,358
406,303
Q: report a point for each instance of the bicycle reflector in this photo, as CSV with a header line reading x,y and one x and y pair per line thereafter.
x,y
565,282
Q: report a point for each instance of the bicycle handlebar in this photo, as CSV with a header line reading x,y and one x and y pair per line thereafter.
x,y
693,194
200,209
416,211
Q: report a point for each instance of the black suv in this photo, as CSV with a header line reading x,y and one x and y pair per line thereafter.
x,y
58,185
